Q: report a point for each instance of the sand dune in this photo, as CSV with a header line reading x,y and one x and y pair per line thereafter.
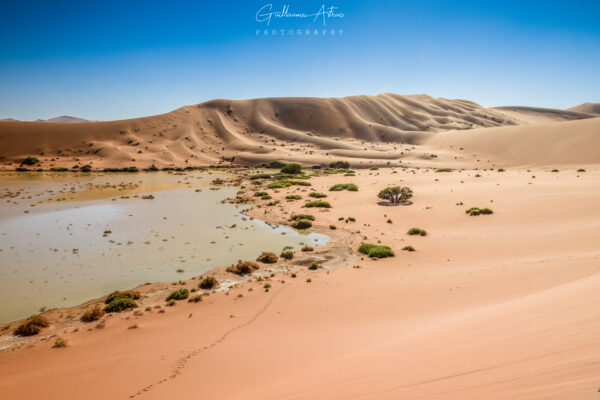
x,y
592,108
365,130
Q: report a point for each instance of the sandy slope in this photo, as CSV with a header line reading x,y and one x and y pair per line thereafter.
x,y
366,130
495,307
593,108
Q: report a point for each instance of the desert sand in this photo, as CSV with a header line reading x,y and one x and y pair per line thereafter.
x,y
500,306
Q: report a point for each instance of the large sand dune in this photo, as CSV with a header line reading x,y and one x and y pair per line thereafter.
x,y
366,130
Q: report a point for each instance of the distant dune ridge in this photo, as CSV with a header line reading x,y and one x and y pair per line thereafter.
x,y
592,108
387,129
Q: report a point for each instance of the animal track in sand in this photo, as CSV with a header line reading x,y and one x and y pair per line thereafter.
x,y
182,362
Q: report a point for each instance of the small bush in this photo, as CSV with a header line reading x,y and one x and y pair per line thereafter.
x,y
120,304
275,164
396,194
339,164
283,183
417,231
60,342
293,197
408,248
318,203
59,169
153,168
302,224
313,266
332,227
261,194
292,169
86,168
208,282
195,299
302,216
444,170
375,251
287,255
92,314
307,248
132,294
581,170
344,186
374,169
30,161
317,195
243,267
179,294
32,326
473,211
267,258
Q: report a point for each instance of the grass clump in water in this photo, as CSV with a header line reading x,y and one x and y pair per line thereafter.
x,y
302,224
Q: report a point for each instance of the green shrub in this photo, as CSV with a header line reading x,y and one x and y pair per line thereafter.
x,y
86,168
131,294
126,169
318,203
287,255
32,326
375,251
285,183
351,219
302,224
119,304
293,197
317,195
195,299
260,194
417,231
302,216
316,167
260,176
332,227
179,294
208,282
153,168
444,170
408,248
339,164
60,342
339,171
473,211
30,161
344,186
396,194
313,266
275,164
292,169
59,169
243,267
267,257
374,169
92,314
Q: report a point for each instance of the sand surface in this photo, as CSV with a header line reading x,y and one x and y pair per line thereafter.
x,y
501,306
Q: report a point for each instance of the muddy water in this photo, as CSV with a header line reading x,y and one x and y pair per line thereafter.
x,y
54,251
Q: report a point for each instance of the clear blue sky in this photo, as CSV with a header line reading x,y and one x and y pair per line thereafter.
x,y
109,59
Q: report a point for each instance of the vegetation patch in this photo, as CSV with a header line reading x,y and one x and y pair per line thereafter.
x,y
317,195
318,203
444,170
344,186
375,251
60,342
32,326
208,283
339,164
307,248
126,169
30,161
179,294
314,266
92,314
292,169
339,171
396,195
131,294
283,183
473,211
302,216
302,224
287,254
120,304
243,267
267,257
408,248
417,231
293,197
59,169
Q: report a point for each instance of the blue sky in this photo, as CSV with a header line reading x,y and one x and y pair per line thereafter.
x,y
122,59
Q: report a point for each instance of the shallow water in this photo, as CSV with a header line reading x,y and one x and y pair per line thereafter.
x,y
57,255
